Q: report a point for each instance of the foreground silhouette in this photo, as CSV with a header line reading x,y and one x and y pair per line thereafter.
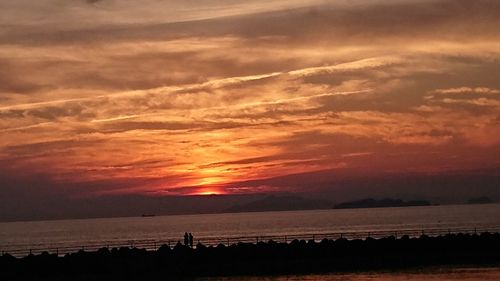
x,y
263,258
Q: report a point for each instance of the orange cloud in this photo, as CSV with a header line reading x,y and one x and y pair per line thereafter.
x,y
203,103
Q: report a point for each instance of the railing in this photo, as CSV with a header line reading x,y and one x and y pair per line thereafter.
x,y
20,250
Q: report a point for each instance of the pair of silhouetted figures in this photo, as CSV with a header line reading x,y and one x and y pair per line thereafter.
x,y
188,239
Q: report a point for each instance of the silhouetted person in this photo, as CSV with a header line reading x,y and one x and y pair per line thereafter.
x,y
186,239
190,240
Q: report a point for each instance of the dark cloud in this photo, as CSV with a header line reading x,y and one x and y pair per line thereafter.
x,y
348,184
276,32
11,81
51,112
353,23
47,147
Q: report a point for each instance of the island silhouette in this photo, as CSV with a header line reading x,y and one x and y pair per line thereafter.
x,y
383,203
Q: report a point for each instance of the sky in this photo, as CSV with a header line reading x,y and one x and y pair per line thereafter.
x,y
108,97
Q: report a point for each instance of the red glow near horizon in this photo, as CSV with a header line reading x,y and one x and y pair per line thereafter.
x,y
207,190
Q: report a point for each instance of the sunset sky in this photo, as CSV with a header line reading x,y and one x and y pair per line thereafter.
x,y
186,97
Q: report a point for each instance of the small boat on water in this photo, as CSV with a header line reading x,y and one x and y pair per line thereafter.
x,y
147,215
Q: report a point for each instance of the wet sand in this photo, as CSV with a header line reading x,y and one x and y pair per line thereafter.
x,y
441,274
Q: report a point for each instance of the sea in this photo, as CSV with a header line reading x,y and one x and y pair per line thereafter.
x,y
103,231
428,274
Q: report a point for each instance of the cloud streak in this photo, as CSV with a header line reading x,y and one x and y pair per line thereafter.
x,y
224,96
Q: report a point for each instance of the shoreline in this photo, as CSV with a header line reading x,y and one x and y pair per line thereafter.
x,y
445,273
262,258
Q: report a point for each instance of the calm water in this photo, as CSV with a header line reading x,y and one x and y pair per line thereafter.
x,y
81,232
448,274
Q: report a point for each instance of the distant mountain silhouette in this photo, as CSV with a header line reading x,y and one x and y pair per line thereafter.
x,y
280,203
480,200
339,185
384,203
